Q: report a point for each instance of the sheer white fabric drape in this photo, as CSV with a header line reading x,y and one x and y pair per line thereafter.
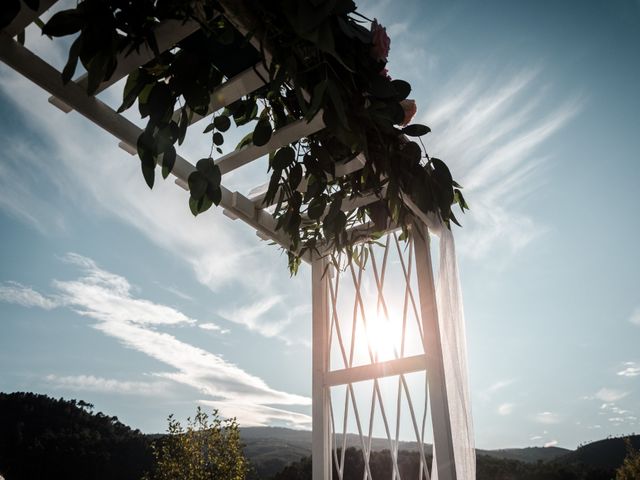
x,y
454,348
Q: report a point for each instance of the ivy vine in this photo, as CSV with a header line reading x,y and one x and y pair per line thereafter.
x,y
325,58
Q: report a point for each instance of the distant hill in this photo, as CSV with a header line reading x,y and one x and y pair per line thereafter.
x,y
528,454
41,437
608,453
272,448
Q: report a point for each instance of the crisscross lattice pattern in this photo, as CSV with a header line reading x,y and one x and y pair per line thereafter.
x,y
376,335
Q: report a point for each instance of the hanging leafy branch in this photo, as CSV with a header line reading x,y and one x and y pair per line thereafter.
x,y
325,58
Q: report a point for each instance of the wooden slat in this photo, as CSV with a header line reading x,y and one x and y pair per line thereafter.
x,y
48,78
416,363
26,16
284,136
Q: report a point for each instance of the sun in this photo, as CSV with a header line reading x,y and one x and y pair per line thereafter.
x,y
383,337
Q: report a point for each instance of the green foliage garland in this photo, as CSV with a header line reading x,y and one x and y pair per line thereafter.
x,y
321,61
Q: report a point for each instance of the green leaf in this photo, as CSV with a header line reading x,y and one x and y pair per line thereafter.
x,y
222,123
136,82
199,205
402,88
246,114
197,184
32,4
317,97
295,176
193,206
381,87
317,207
453,218
274,181
441,172
338,103
218,139
66,22
149,173
412,153
210,127
459,199
183,125
147,158
214,194
262,132
168,161
416,130
283,158
246,140
161,102
209,170
8,12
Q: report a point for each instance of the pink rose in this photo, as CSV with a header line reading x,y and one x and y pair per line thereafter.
x,y
380,42
410,109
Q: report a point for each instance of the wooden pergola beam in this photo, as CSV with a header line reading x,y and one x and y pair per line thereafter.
x,y
49,79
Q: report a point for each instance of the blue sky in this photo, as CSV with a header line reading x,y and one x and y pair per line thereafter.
x,y
115,294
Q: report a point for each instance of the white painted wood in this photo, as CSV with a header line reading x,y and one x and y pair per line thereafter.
x,y
26,16
320,413
389,368
258,193
440,417
233,89
131,150
48,78
284,136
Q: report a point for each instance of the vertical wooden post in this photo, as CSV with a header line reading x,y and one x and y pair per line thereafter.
x,y
320,448
441,421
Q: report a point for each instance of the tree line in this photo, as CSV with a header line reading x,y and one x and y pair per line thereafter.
x,y
43,437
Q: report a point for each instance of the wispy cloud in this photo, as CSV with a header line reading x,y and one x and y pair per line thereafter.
x,y
252,316
18,181
91,383
107,299
14,292
635,317
631,369
492,134
177,292
610,394
260,414
547,418
498,385
505,409
269,316
213,327
552,443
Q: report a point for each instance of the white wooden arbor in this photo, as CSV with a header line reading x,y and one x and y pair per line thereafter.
x,y
344,356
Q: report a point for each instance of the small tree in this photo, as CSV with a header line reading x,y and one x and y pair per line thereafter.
x,y
630,468
208,448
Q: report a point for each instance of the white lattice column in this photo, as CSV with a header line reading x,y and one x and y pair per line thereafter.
x,y
378,361
321,455
440,417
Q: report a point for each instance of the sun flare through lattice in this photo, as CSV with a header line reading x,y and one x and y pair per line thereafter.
x,y
375,319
